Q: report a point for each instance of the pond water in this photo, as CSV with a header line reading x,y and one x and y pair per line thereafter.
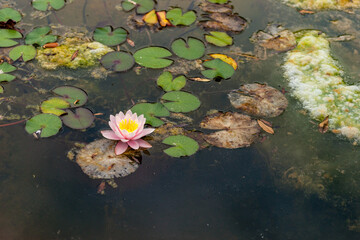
x,y
296,184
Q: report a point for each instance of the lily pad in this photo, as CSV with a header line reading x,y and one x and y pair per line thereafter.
x,y
117,61
218,1
153,57
40,36
48,124
219,68
4,69
214,7
220,39
6,36
27,52
167,82
259,100
43,5
81,119
109,36
151,111
176,17
142,6
76,97
225,22
183,146
54,106
98,160
9,13
236,130
190,50
180,101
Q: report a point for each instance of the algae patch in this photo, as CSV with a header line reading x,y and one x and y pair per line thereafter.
x,y
87,54
316,80
324,4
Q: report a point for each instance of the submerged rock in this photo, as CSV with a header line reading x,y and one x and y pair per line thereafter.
x,y
316,80
324,4
72,53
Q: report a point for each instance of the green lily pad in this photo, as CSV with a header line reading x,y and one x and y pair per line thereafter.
x,y
1,89
4,69
168,84
9,13
81,119
153,57
220,39
218,1
109,36
176,17
76,97
219,68
48,124
117,61
40,36
180,101
27,52
183,146
151,111
43,5
55,106
6,36
190,50
142,6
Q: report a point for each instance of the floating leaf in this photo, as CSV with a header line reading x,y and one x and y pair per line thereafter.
x,y
218,1
237,130
168,84
54,106
6,36
213,8
142,6
43,5
183,146
9,13
220,39
259,100
1,89
81,119
150,18
117,61
48,124
153,57
225,21
190,50
4,69
27,52
219,68
76,97
225,58
151,111
264,126
109,36
324,125
180,101
176,17
40,36
163,21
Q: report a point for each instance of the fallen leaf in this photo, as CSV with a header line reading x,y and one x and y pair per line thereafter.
x,y
51,45
264,126
303,12
324,125
200,79
226,59
150,18
162,19
130,42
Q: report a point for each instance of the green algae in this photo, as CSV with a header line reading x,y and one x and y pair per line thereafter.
x,y
324,4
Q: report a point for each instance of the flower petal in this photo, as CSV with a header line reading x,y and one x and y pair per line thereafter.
x,y
133,144
109,134
116,130
144,132
143,144
120,148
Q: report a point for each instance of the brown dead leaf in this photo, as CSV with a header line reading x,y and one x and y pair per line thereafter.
x,y
216,8
200,79
303,12
130,42
264,126
324,125
225,22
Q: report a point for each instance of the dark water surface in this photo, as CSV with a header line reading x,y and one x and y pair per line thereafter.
x,y
214,194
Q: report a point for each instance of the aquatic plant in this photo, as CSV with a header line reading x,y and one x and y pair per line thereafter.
x,y
127,129
323,4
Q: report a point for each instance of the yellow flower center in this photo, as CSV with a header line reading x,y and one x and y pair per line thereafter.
x,y
128,125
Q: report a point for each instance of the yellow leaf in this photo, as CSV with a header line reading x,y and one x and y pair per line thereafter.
x,y
162,19
225,58
150,18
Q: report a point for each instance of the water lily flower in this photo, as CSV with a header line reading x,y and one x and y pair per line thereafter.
x,y
127,129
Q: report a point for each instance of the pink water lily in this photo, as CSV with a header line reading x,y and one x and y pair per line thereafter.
x,y
127,129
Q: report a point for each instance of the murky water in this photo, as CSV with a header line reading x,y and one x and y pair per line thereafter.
x,y
297,184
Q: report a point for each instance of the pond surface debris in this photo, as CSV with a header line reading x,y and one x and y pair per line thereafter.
x,y
324,4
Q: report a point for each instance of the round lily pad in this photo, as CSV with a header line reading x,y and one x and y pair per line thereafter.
x,y
166,82
118,61
40,36
27,52
190,50
9,13
43,5
176,17
7,36
151,111
81,119
153,57
183,146
142,6
219,68
76,97
109,36
179,101
55,106
48,124
4,69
